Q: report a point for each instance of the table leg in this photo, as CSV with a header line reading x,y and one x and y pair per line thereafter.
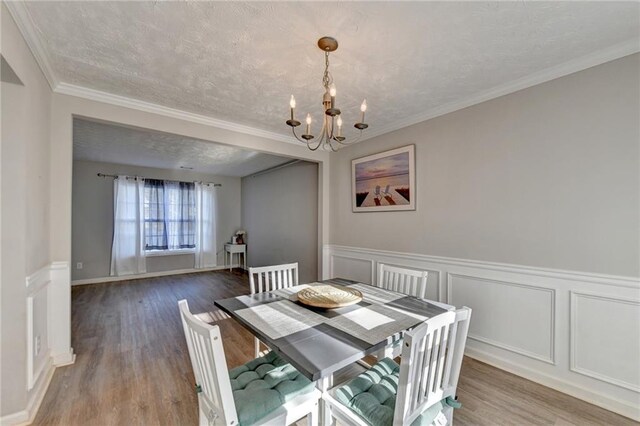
x,y
324,384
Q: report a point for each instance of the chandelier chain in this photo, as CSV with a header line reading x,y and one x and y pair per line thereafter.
x,y
326,78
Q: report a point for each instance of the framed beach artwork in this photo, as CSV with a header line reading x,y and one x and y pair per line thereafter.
x,y
384,181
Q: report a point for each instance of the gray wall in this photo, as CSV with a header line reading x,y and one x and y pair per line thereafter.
x,y
548,177
25,205
280,215
92,216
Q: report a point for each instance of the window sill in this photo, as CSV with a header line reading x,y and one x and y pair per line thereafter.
x,y
154,253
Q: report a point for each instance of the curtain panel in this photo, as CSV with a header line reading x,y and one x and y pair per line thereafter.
x,y
206,250
127,250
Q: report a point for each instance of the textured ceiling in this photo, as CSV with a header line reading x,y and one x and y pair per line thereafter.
x,y
240,61
109,143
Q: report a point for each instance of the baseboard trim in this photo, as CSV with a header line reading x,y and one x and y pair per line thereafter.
x,y
594,398
61,360
147,275
28,415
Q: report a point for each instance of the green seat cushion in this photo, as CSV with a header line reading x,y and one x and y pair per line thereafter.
x,y
264,384
372,395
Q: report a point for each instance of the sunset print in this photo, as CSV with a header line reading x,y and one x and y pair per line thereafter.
x,y
384,181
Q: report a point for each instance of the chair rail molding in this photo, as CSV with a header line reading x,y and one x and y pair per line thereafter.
x,y
544,324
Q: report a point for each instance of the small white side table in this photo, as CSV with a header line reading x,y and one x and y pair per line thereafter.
x,y
238,249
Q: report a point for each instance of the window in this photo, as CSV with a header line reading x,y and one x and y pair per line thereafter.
x,y
169,215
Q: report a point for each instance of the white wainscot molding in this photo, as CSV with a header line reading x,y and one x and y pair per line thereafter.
x,y
576,332
48,334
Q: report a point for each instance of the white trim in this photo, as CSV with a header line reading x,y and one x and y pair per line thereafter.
x,y
26,416
371,262
160,253
613,280
147,275
575,65
36,283
27,28
24,22
126,102
551,359
557,374
554,382
573,310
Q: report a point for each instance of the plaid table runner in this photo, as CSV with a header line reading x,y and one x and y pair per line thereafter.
x,y
321,341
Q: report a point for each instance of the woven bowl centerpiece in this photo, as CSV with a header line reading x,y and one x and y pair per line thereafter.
x,y
329,296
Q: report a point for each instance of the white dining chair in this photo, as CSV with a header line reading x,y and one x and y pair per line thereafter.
x,y
269,278
406,281
237,402
424,384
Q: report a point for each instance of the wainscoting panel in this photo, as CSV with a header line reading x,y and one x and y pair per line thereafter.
x,y
352,268
37,324
573,331
502,310
48,301
598,349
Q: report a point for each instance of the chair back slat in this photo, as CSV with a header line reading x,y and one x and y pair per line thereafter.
x,y
269,278
431,361
400,280
209,368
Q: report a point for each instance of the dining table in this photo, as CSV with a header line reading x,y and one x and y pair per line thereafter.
x,y
319,341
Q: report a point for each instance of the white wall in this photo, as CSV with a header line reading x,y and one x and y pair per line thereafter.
x,y
25,212
280,215
528,211
92,216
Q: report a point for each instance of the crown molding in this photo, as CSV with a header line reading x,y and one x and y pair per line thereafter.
x,y
575,65
23,20
123,101
25,23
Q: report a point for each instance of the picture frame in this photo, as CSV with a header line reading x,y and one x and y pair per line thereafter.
x,y
384,182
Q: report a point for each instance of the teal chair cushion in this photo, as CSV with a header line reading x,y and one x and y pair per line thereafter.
x,y
372,395
264,384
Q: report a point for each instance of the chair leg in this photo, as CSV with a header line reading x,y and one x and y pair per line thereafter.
x,y
448,412
312,417
257,347
202,420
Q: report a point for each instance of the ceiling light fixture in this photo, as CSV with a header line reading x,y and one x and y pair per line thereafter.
x,y
331,119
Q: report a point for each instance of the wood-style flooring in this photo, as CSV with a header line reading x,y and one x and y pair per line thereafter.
x,y
132,365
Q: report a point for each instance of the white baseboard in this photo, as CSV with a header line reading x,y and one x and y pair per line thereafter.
x,y
147,275
601,400
26,416
64,359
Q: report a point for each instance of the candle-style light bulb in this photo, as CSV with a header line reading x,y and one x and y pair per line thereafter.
x,y
363,108
339,126
308,118
332,90
292,104
308,124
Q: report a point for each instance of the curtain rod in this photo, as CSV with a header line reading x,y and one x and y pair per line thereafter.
x,y
116,177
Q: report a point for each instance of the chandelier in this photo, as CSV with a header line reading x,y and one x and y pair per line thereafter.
x,y
331,120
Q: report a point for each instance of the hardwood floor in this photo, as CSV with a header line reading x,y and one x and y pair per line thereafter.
x,y
132,365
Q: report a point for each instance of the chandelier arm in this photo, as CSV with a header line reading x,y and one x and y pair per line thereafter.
x,y
350,142
306,142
